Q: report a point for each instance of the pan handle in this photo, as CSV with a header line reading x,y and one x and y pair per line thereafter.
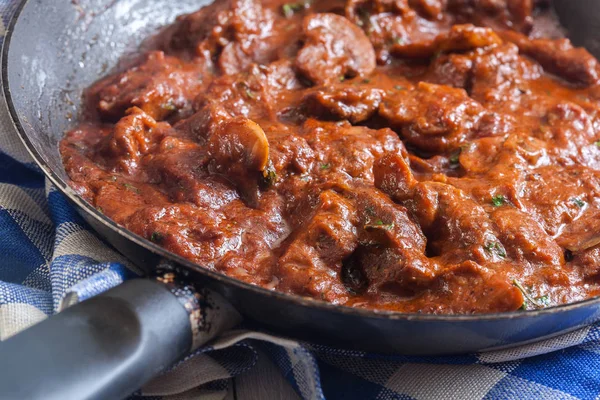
x,y
107,347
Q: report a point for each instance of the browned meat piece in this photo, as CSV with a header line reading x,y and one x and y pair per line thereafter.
x,y
334,50
477,289
347,150
558,196
313,259
390,23
355,104
133,137
497,14
254,94
524,238
459,38
431,9
235,32
588,262
392,255
582,234
160,85
433,118
394,177
457,228
559,57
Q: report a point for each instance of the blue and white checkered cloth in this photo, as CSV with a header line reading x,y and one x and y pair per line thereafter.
x,y
48,252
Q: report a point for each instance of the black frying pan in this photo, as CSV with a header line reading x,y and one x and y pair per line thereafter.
x,y
110,345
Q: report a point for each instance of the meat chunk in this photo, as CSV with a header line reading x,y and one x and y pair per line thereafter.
x,y
432,117
255,93
497,14
558,196
355,103
525,239
132,137
473,289
391,23
394,177
392,254
575,64
457,228
235,32
458,38
313,259
334,50
349,150
159,85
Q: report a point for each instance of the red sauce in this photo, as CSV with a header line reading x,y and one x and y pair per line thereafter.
x,y
434,156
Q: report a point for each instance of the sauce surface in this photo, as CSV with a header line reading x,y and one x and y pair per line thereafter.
x,y
427,156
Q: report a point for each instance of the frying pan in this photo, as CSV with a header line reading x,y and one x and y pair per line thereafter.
x,y
110,345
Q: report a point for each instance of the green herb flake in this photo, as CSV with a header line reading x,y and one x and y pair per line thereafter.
x,y
131,188
270,176
455,156
498,200
578,202
495,248
169,106
342,78
366,81
325,166
290,9
100,210
399,40
157,237
537,302
399,87
597,143
379,224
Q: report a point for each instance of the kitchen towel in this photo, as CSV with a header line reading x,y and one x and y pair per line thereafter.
x,y
49,253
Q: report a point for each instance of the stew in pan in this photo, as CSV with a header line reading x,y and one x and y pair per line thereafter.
x,y
427,156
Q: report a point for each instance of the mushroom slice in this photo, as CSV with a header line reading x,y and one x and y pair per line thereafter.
x,y
334,49
239,142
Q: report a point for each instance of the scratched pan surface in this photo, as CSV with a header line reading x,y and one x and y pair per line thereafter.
x,y
56,49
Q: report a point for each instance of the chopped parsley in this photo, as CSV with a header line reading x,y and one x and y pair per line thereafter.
x,y
157,237
495,248
342,78
100,210
249,93
270,176
366,81
131,188
578,202
169,106
454,157
597,143
399,40
537,302
290,9
379,224
498,200
399,87
325,166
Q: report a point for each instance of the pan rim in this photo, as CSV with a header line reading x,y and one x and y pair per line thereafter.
x,y
76,199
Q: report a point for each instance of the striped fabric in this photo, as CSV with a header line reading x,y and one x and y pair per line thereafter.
x,y
49,253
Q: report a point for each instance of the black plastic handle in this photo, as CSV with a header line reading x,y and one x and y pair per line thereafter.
x,y
103,348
